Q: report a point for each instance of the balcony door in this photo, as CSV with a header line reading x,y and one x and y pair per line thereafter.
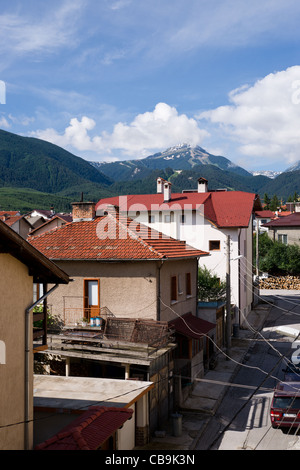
x,y
91,298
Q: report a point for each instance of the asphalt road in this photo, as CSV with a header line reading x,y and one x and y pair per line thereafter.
x,y
242,421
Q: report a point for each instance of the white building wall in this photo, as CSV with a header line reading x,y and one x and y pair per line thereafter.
x,y
199,232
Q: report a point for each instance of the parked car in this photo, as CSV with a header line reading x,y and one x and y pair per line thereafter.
x,y
285,406
291,373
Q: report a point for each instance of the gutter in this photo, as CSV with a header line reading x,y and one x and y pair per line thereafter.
x,y
28,328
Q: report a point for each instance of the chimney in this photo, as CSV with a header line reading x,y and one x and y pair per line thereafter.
x,y
159,185
83,211
202,185
167,191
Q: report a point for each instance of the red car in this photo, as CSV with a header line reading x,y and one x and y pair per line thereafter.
x,y
285,406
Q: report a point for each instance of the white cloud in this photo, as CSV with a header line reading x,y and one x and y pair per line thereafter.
x,y
26,32
263,118
148,132
4,122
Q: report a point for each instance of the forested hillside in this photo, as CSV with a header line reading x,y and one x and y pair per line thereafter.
x,y
37,174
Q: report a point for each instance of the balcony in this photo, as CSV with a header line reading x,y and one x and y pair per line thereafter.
x,y
99,334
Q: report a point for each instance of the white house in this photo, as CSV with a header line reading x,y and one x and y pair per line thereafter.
x,y
206,220
261,218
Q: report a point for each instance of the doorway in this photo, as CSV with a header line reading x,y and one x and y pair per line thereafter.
x,y
91,298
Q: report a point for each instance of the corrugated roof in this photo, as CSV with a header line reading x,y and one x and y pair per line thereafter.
x,y
89,431
110,238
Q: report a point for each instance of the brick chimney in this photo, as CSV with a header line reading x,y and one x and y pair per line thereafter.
x,y
83,211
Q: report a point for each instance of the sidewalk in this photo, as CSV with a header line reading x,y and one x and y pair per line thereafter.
x,y
205,397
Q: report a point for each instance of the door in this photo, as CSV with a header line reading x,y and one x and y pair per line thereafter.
x,y
91,298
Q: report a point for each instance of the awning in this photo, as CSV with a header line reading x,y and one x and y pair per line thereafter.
x,y
190,326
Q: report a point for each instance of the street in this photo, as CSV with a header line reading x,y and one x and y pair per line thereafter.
x,y
242,421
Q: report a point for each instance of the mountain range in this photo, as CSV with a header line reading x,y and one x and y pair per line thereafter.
x,y
183,165
180,157
35,174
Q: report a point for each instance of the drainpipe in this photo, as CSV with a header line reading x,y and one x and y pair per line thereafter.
x,y
159,291
28,329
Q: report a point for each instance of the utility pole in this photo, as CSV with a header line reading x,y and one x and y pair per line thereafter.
x,y
257,255
228,298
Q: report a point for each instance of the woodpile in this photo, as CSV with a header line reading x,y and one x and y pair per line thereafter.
x,y
283,282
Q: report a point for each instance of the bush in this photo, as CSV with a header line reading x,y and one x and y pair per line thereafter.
x,y
210,288
278,258
53,322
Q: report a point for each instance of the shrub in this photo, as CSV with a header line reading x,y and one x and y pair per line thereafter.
x,y
210,288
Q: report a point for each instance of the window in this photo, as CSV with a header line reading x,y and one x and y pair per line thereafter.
x,y
194,217
38,291
282,238
214,245
173,289
168,218
182,219
180,288
188,284
151,219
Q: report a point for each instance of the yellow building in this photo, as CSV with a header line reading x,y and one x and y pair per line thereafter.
x,y
21,265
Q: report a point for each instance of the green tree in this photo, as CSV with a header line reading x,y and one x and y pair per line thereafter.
x,y
267,201
274,204
278,258
210,288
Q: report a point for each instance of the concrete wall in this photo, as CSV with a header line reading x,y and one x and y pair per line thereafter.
x,y
185,303
198,232
16,295
293,234
127,289
126,435
246,272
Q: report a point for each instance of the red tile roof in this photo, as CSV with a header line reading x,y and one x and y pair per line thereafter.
x,y
89,431
12,219
9,213
191,326
110,238
223,208
266,214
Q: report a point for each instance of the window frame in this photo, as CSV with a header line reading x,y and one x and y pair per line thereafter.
x,y
173,289
210,245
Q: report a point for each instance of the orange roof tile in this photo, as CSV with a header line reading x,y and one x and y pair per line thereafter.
x,y
89,431
110,238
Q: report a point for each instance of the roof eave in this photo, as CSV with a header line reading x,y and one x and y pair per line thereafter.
x,y
40,267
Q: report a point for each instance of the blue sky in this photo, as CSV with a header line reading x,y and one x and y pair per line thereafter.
x,y
120,79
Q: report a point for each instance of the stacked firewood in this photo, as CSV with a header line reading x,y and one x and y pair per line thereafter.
x,y
283,282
